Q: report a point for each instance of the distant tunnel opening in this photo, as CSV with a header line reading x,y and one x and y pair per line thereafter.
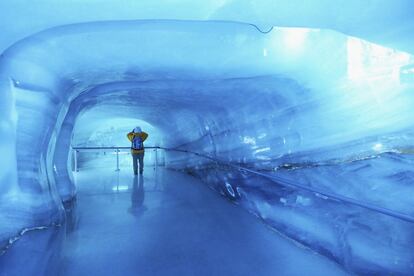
x,y
101,133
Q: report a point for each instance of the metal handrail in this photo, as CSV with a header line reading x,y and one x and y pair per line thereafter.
x,y
284,182
116,149
110,148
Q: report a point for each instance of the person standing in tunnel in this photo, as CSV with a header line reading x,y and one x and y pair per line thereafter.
x,y
137,138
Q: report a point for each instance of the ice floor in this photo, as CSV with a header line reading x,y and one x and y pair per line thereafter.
x,y
164,223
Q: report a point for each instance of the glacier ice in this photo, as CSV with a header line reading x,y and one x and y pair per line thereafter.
x,y
304,102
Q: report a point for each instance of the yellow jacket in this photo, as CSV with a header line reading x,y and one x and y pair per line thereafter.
x,y
131,136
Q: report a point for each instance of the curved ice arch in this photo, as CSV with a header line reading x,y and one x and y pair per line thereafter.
x,y
299,87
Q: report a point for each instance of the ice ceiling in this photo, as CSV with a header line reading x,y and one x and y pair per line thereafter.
x,y
320,93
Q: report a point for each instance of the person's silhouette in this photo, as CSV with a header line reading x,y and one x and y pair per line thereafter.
x,y
137,138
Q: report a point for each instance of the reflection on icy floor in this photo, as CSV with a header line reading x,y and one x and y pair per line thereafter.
x,y
167,223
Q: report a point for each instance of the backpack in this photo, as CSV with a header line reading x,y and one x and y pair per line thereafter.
x,y
137,143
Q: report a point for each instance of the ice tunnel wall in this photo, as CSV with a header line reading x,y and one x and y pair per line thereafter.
x,y
315,106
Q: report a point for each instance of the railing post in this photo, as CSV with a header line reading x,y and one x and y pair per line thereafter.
x,y
75,153
117,159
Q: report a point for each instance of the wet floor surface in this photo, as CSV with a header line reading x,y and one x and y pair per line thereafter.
x,y
169,223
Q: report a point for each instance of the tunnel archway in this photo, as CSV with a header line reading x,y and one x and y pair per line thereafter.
x,y
193,89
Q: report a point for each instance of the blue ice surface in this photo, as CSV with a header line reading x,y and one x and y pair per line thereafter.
x,y
316,101
161,223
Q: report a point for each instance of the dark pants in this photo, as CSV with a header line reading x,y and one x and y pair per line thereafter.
x,y
138,157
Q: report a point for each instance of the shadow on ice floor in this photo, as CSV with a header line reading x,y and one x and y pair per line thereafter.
x,y
164,223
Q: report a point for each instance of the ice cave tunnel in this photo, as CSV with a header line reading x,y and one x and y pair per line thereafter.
x,y
280,137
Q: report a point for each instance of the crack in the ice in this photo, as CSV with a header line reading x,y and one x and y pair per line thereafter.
x,y
334,162
307,165
14,239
